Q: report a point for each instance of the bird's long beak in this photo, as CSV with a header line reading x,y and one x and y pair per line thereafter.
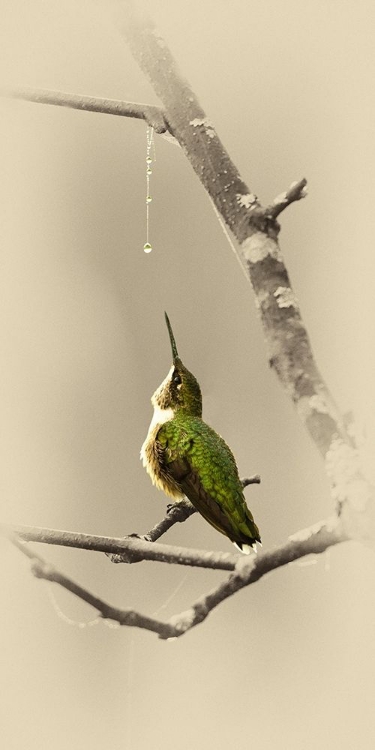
x,y
171,338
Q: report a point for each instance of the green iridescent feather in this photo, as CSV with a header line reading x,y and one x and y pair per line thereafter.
x,y
204,467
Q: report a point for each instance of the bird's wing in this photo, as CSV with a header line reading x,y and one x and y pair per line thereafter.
x,y
214,491
191,485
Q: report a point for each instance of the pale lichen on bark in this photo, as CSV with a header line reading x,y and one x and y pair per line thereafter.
x,y
285,297
344,469
258,247
247,201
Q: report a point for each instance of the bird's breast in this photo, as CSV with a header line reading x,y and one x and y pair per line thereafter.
x,y
152,456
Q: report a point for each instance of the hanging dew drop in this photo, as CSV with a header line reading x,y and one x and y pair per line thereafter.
x,y
147,247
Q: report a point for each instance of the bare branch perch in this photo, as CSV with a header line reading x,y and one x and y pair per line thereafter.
x,y
134,547
131,549
154,116
246,571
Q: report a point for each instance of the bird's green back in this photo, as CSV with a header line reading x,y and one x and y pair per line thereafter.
x,y
203,464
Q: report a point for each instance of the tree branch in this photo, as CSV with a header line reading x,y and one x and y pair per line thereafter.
x,y
135,547
130,549
314,540
176,513
256,230
41,569
154,116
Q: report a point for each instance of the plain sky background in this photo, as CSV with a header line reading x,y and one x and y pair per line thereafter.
x,y
289,86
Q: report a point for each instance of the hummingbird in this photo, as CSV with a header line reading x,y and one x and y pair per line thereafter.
x,y
184,456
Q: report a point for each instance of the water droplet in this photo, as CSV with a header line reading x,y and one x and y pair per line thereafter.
x,y
148,199
147,247
149,160
149,171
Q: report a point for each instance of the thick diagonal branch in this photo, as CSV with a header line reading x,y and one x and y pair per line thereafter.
x,y
256,230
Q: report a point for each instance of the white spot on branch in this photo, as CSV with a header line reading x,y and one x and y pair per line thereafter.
x,y
344,470
246,201
258,247
184,621
262,298
203,122
245,566
282,198
304,534
318,403
285,297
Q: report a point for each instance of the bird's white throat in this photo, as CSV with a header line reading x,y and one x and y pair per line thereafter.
x,y
161,416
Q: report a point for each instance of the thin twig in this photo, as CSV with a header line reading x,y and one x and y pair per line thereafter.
x,y
153,115
296,192
255,479
176,513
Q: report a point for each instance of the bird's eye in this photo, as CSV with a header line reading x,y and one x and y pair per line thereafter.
x,y
176,378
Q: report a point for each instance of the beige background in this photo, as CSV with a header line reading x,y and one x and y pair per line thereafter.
x,y
288,663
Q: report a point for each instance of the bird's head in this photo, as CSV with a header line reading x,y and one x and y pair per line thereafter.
x,y
180,390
